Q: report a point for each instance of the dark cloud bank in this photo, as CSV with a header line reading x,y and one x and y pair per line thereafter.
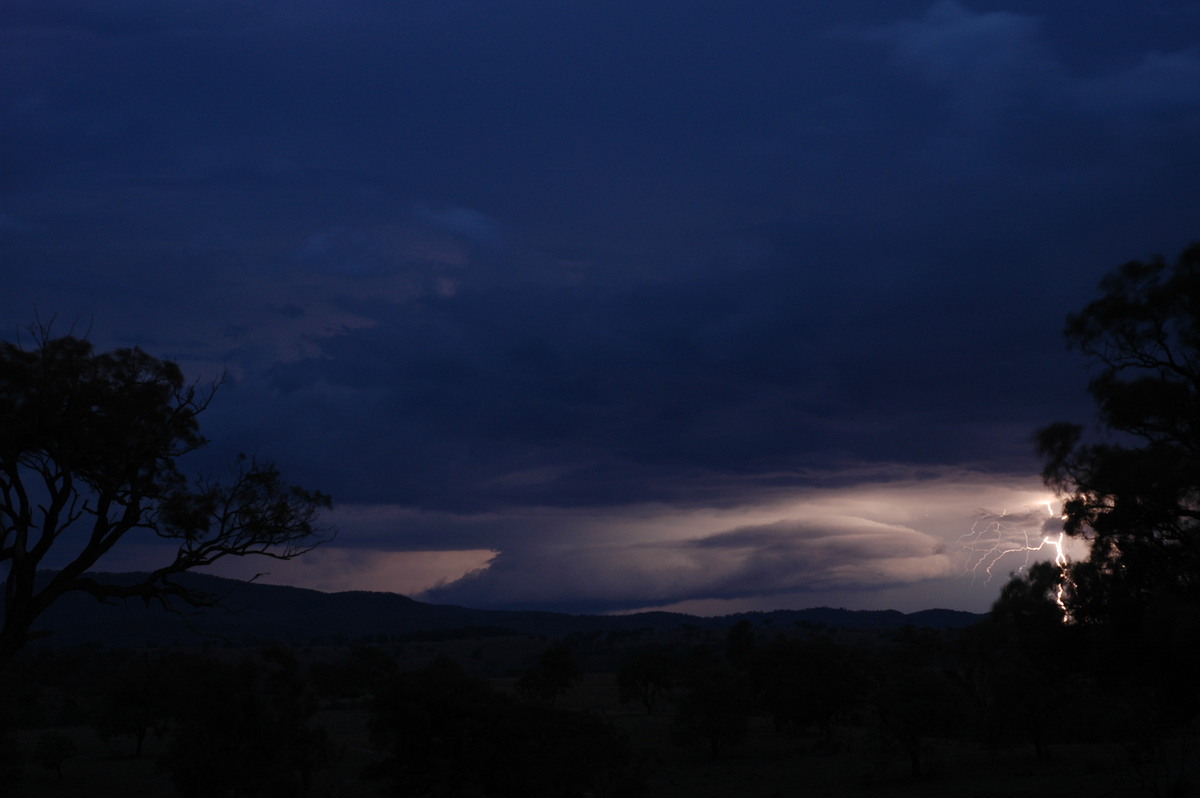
x,y
476,262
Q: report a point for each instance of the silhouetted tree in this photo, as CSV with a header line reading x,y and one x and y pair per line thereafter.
x,y
88,449
649,674
1029,601
806,682
244,728
53,749
915,704
358,674
740,644
915,696
1020,654
714,708
1134,489
12,761
446,734
134,698
556,670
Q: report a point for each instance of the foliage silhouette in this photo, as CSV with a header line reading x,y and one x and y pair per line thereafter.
x,y
53,749
88,449
1134,489
1019,654
916,697
556,670
444,734
133,699
714,709
242,723
647,675
740,644
806,682
361,673
12,762
243,728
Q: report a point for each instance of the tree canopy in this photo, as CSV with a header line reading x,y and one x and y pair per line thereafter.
x,y
89,444
1132,484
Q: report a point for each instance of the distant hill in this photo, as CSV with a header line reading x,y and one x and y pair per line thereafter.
x,y
253,612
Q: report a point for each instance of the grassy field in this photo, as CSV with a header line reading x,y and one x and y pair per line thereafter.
x,y
766,765
108,769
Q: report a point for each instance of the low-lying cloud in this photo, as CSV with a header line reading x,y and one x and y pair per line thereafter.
x,y
907,536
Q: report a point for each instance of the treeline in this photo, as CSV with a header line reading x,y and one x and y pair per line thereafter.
x,y
228,725
1025,677
254,723
263,722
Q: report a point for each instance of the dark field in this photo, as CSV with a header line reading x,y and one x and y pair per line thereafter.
x,y
766,766
855,756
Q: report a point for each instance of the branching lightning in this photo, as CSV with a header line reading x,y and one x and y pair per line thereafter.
x,y
995,536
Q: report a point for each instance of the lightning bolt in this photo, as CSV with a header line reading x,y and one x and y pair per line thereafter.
x,y
995,536
1060,591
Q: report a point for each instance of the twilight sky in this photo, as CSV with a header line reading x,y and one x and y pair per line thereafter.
x,y
609,305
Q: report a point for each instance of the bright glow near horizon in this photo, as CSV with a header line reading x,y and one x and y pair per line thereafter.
x,y
902,544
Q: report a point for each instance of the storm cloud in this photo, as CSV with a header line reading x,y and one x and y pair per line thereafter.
x,y
503,277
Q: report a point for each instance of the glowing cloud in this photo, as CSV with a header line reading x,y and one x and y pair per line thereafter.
x,y
901,535
906,543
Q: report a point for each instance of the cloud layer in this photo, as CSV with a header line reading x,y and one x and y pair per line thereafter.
x,y
497,270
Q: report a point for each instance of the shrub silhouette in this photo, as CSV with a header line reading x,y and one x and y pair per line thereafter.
x,y
714,709
915,696
648,675
243,729
803,683
556,670
53,749
445,734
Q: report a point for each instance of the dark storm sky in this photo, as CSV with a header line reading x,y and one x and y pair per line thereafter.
x,y
623,304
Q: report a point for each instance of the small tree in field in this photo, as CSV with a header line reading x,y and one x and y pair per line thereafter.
x,y
648,675
714,709
88,449
556,670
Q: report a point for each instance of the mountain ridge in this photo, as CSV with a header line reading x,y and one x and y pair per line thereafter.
x,y
254,612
